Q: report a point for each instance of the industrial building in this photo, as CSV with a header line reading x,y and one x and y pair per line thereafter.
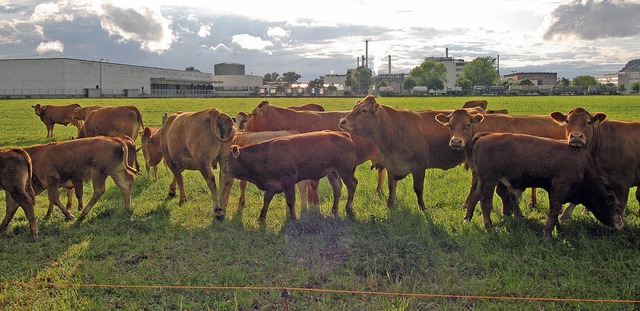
x,y
66,77
544,80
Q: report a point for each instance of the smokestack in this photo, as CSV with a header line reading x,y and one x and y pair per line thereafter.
x,y
366,52
363,61
389,64
358,61
446,52
498,64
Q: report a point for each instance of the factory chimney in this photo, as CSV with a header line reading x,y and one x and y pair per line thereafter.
x,y
446,52
363,61
358,61
389,64
366,52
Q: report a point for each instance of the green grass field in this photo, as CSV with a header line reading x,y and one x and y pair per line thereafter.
x,y
166,256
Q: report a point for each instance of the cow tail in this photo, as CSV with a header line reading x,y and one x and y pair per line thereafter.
x,y
125,158
31,194
140,123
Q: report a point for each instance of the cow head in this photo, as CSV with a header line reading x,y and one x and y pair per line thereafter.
x,y
39,109
222,126
241,119
256,121
461,126
150,148
231,164
362,120
580,125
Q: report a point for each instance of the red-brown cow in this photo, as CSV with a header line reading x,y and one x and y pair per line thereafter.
x,y
410,142
15,178
482,103
151,150
51,115
195,141
463,125
266,117
276,165
521,161
113,121
615,146
95,158
82,113
308,107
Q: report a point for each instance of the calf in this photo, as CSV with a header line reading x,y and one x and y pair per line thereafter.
x,y
482,103
113,121
520,161
51,115
15,178
276,165
151,150
95,158
195,141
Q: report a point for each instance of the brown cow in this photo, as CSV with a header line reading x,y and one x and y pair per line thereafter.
x,y
276,165
151,150
113,121
16,172
410,142
308,107
82,113
95,158
568,174
482,103
195,141
51,115
615,146
463,126
266,117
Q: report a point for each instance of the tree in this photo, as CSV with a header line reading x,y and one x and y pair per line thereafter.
x,y
635,87
270,77
584,81
191,68
480,71
409,83
563,82
430,74
622,89
359,79
290,77
525,82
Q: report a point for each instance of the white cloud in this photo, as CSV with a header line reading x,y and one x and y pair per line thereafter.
x,y
49,47
146,26
49,12
15,31
205,31
249,42
219,47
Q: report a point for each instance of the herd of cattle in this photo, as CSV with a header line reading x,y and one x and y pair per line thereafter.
x,y
578,157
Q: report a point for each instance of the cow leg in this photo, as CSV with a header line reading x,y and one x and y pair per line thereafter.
x,y
567,212
303,188
98,190
172,188
534,200
226,183
336,186
20,196
268,196
418,187
124,181
510,200
392,183
555,206
290,197
54,197
313,193
242,184
381,173
207,173
49,130
472,200
12,208
78,187
474,184
350,182
486,201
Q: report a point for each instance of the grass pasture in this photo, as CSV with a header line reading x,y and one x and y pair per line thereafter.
x,y
166,256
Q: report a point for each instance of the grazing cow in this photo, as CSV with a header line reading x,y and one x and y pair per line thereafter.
x,y
614,145
276,165
51,115
307,107
498,111
195,141
482,103
113,121
266,117
95,158
82,113
520,161
464,125
16,172
410,142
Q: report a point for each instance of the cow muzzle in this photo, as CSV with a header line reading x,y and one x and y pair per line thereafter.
x,y
456,143
618,221
344,124
576,139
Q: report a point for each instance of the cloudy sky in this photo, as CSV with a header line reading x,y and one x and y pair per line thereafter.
x,y
316,38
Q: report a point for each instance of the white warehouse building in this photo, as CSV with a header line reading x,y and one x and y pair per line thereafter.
x,y
66,77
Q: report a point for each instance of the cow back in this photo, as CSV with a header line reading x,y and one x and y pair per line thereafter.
x,y
113,121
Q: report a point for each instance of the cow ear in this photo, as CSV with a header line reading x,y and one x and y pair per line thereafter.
x,y
477,119
442,119
235,151
357,103
559,117
146,132
598,117
262,107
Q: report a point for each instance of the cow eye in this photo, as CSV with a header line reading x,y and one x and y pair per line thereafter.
x,y
469,124
589,122
364,110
